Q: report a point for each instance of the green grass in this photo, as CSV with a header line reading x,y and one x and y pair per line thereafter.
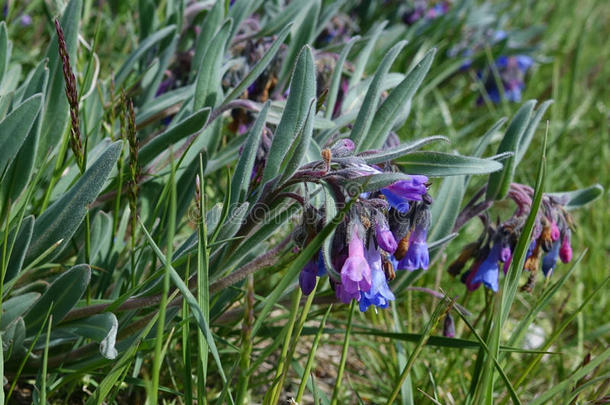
x,y
268,343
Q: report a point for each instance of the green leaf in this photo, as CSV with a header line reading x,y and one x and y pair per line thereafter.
x,y
20,248
371,100
241,176
207,84
399,151
499,182
528,134
445,164
302,90
20,171
101,328
55,111
61,296
579,198
364,55
188,126
260,66
335,83
5,50
209,26
302,35
14,307
15,128
136,55
299,148
61,220
281,21
389,112
446,207
156,108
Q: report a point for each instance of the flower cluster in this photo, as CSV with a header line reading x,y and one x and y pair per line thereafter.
x,y
550,241
385,230
422,9
511,71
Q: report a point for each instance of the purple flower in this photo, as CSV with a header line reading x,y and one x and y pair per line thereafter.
x,y
565,251
487,272
385,238
449,326
380,294
307,278
25,20
468,277
345,296
550,259
417,255
554,231
356,273
400,193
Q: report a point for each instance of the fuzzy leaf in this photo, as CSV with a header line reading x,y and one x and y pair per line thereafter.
x,y
445,164
22,242
302,90
498,184
579,198
399,151
371,100
389,112
61,220
61,296
15,128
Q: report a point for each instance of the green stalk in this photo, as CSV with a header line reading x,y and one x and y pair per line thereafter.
x,y
441,308
57,170
312,355
246,345
203,287
158,359
295,338
337,388
274,392
186,347
45,358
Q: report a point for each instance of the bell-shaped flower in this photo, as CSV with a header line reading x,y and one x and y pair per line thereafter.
x,y
385,238
488,271
380,294
356,273
400,193
417,256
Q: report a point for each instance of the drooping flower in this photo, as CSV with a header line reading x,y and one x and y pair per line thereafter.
x,y
565,251
417,256
448,326
488,271
380,294
554,231
355,273
400,193
385,238
550,259
307,278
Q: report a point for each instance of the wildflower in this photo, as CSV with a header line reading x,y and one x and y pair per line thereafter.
x,y
417,255
385,238
487,272
512,70
565,251
400,193
307,278
355,273
379,294
550,259
448,326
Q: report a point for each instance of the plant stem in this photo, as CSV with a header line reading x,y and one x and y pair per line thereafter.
x,y
343,354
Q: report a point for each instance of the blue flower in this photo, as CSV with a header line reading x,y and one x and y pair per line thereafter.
x,y
550,259
400,193
380,294
307,278
417,255
488,271
385,238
